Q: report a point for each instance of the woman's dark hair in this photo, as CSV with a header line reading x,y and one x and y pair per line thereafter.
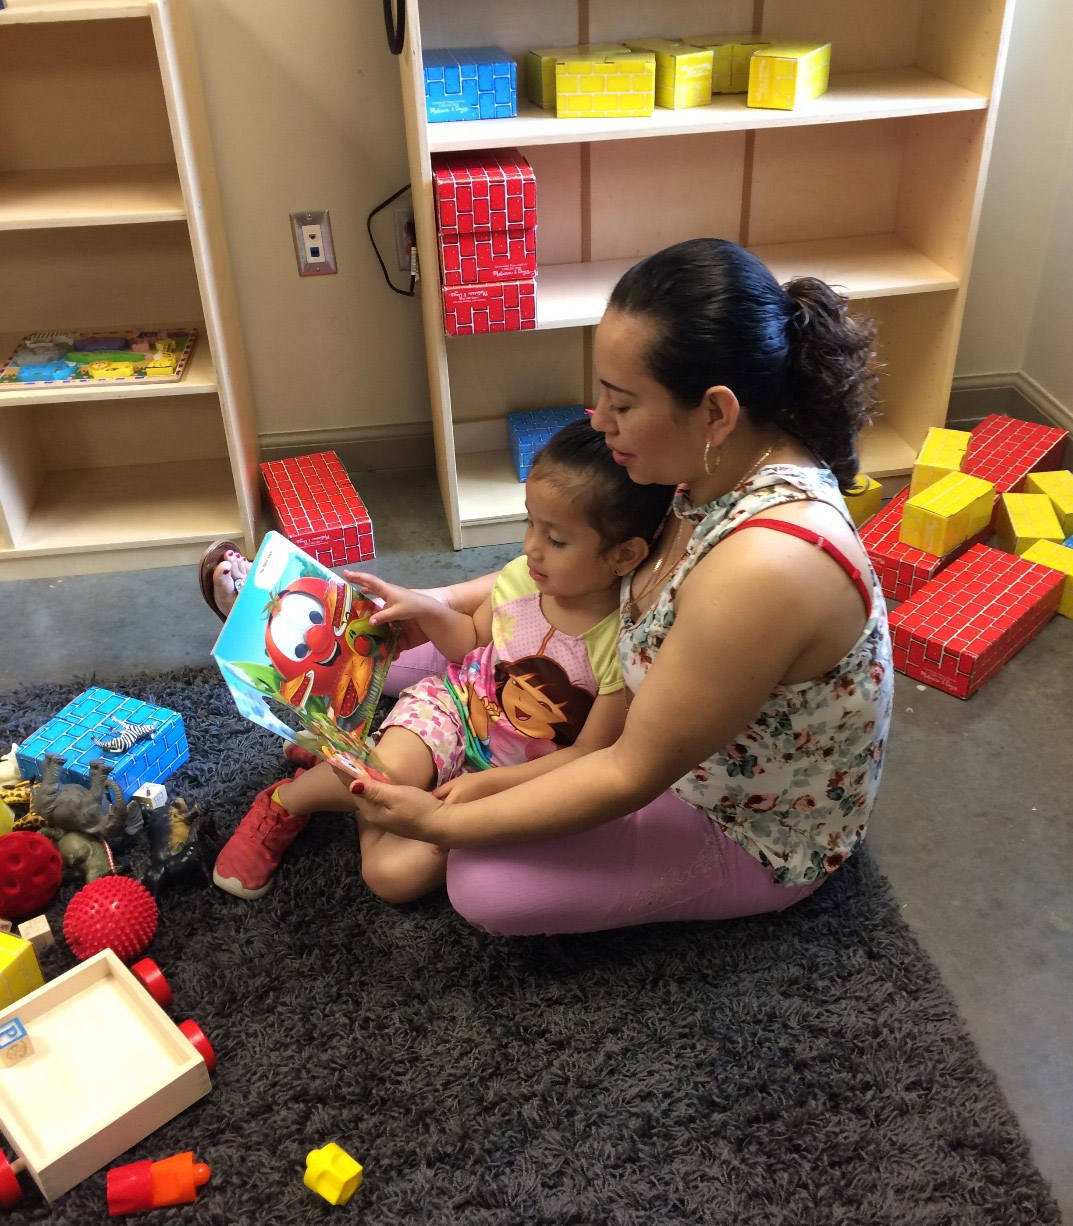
x,y
615,506
793,355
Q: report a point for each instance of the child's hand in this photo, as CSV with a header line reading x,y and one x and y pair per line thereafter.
x,y
468,787
400,604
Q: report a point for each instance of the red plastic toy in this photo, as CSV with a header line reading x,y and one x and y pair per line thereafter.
x,y
110,913
30,873
152,1185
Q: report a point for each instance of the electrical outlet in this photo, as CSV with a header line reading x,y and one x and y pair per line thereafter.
x,y
405,237
313,247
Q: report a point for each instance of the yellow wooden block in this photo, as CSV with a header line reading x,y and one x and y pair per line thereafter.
x,y
864,498
683,72
947,514
1058,486
783,75
19,971
540,69
942,452
1024,519
1057,557
730,59
584,84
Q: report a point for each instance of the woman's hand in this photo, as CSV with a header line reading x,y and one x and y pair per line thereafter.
x,y
471,786
398,604
410,812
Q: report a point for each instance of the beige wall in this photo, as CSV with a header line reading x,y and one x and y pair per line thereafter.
x,y
1023,264
304,107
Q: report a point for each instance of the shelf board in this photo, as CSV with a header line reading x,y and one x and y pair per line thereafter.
x,y
90,196
130,507
491,499
71,10
852,97
865,266
198,379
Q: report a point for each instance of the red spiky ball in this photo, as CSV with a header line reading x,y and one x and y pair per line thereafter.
x,y
30,872
110,913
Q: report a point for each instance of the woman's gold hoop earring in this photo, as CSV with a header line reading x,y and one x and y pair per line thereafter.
x,y
707,469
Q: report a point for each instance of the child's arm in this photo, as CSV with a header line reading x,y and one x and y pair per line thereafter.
x,y
453,634
603,726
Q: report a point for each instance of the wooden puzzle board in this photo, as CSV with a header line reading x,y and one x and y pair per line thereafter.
x,y
183,339
109,1066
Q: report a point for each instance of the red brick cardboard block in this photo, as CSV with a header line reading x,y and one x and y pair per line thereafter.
x,y
319,509
965,624
1004,450
902,569
500,306
482,191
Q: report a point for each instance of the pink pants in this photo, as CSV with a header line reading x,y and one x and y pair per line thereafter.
x,y
665,862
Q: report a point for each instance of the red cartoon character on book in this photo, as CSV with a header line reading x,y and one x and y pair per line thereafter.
x,y
319,639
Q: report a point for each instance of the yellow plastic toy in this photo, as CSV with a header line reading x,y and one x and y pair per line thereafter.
x,y
942,452
730,59
1058,486
1024,519
19,971
784,75
1057,557
863,498
683,72
332,1173
614,85
540,69
947,514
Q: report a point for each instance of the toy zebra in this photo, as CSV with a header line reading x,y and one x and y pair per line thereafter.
x,y
128,736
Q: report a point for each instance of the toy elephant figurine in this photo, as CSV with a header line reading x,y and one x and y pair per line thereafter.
x,y
73,807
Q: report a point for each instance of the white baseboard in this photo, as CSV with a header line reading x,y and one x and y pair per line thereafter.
x,y
985,388
407,445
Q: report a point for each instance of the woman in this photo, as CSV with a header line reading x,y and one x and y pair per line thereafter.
x,y
759,661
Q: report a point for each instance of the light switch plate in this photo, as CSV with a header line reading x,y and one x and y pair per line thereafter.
x,y
313,246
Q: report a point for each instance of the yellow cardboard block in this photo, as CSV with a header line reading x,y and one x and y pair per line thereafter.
x,y
1057,557
864,498
948,513
1024,519
611,84
1058,486
784,75
19,971
540,69
683,72
730,59
941,452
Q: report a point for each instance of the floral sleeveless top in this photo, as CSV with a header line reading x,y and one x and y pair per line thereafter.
x,y
796,787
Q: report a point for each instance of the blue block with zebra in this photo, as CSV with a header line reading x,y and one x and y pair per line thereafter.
x,y
143,743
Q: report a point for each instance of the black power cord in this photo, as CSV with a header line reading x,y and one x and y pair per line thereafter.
x,y
395,24
406,293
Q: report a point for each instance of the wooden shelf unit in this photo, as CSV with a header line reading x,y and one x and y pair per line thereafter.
x,y
110,220
875,186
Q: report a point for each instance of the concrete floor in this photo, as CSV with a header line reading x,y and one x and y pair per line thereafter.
x,y
974,826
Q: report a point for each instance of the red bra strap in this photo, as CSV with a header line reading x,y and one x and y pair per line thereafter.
x,y
814,538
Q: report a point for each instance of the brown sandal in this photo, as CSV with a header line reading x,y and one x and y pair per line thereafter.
x,y
210,559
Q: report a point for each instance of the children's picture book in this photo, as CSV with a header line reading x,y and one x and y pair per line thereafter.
x,y
299,638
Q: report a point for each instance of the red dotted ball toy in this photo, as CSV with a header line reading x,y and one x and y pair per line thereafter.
x,y
30,873
110,913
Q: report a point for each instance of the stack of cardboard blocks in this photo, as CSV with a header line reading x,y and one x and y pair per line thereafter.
x,y
99,715
529,429
968,608
731,54
318,508
486,221
469,83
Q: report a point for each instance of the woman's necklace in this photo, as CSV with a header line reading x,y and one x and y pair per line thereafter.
x,y
636,597
758,465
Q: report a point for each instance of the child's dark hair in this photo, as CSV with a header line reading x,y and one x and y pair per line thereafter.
x,y
616,507
793,355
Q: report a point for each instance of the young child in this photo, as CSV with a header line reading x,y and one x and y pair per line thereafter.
x,y
533,671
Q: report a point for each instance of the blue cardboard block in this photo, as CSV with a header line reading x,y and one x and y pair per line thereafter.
x,y
470,83
96,713
529,429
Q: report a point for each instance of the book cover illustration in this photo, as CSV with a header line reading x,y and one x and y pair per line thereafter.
x,y
299,638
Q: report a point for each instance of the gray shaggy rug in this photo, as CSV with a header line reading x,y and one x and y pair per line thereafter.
x,y
803,1069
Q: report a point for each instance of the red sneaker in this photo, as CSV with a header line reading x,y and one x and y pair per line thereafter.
x,y
247,864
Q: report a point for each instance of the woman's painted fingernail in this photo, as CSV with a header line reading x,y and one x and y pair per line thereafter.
x,y
357,787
